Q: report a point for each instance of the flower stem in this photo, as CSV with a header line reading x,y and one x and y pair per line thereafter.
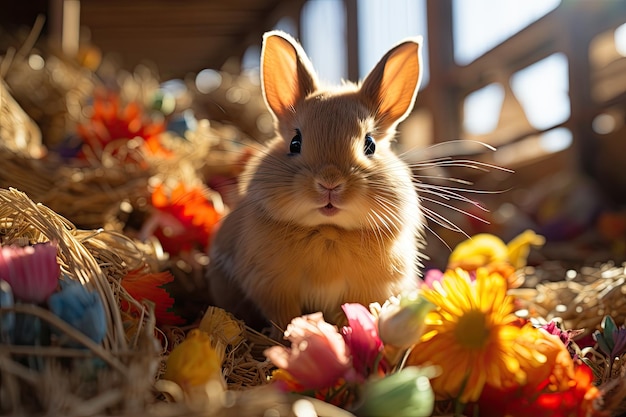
x,y
608,375
334,392
458,404
379,358
458,408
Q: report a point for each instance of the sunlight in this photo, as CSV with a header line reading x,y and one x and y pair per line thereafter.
x,y
481,109
479,25
326,47
543,91
382,24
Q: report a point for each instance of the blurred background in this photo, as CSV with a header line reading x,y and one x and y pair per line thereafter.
x,y
543,81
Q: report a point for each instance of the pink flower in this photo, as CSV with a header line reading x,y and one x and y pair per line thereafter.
x,y
32,271
431,276
318,356
361,336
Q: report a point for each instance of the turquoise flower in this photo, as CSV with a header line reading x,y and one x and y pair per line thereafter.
x,y
81,308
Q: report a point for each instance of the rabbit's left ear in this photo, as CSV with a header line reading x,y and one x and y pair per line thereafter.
x,y
287,75
391,87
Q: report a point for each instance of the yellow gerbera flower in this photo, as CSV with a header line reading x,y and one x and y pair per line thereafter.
x,y
471,336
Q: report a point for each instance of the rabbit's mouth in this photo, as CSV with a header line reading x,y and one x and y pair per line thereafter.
x,y
329,210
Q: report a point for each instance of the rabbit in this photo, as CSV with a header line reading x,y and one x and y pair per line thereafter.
x,y
328,213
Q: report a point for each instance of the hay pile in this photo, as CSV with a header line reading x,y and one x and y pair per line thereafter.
x,y
96,259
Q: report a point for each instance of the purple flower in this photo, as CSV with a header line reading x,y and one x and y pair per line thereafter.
x,y
566,336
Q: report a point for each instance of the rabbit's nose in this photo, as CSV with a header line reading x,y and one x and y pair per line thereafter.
x,y
325,185
330,179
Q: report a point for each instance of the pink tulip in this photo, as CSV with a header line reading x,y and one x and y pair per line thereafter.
x,y
361,336
318,356
32,271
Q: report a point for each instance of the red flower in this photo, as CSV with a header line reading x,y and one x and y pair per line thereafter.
x,y
578,400
147,286
184,220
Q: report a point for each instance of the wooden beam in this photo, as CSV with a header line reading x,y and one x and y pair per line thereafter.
x,y
352,39
440,95
237,45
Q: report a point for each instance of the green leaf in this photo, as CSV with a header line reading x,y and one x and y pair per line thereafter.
x,y
609,327
602,342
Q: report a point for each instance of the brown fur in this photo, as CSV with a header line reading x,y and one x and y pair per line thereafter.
x,y
276,256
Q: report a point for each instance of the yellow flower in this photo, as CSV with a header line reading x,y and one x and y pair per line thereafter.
x,y
484,249
472,336
479,250
224,329
194,362
519,247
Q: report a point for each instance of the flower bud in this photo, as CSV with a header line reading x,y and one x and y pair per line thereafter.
x,y
405,393
401,322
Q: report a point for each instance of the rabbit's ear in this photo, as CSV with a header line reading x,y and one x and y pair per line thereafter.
x,y
286,73
391,87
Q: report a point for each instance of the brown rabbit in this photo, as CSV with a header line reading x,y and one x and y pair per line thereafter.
x,y
328,212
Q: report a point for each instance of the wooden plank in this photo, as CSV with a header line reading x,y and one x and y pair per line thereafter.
x,y
440,95
138,17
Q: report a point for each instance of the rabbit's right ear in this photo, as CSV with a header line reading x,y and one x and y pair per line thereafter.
x,y
287,75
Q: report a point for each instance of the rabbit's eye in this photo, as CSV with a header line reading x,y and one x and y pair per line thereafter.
x,y
296,143
370,145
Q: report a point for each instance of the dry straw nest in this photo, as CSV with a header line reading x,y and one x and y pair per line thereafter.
x,y
93,191
577,298
88,192
67,383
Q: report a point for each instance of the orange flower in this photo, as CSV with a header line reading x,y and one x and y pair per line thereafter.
x,y
286,382
471,336
148,286
557,367
110,120
184,220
